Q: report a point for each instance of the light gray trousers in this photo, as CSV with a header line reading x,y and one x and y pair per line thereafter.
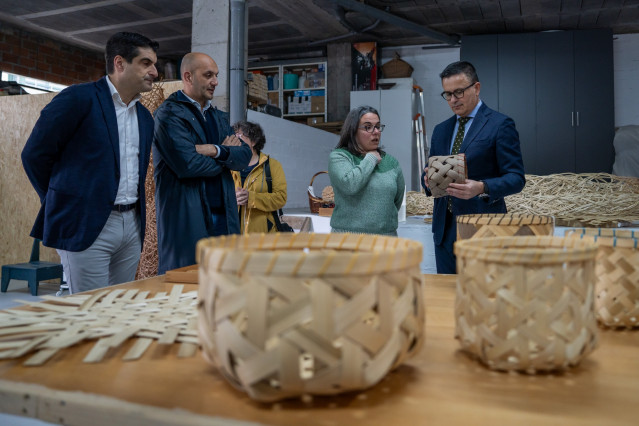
x,y
112,258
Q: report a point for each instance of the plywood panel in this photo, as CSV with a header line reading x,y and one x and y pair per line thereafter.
x,y
19,203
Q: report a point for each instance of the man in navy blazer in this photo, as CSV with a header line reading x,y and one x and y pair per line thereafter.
x,y
493,156
87,158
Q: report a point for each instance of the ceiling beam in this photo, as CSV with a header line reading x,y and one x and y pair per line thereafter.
x,y
397,21
131,24
72,9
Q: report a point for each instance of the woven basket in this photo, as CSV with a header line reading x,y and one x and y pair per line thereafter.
x,y
314,202
397,68
617,270
444,170
503,225
284,315
526,303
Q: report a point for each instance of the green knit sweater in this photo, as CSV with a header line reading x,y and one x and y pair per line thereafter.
x,y
367,195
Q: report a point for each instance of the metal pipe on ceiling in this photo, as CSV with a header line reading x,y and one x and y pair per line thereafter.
x,y
397,21
237,61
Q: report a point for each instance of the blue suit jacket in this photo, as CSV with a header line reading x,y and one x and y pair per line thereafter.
x,y
493,155
72,159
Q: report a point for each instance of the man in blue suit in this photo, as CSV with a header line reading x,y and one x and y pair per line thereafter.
x,y
493,156
87,158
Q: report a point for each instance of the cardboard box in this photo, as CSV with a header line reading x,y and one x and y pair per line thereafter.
x,y
274,99
314,120
316,82
317,103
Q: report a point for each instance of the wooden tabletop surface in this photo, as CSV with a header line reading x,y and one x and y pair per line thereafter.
x,y
441,385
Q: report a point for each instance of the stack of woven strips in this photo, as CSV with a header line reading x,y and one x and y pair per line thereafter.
x,y
444,170
110,316
285,315
589,199
526,303
257,89
617,269
148,266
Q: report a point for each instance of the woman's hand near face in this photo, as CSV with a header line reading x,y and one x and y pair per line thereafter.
x,y
376,154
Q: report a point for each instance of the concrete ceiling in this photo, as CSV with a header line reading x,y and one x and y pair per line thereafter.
x,y
281,29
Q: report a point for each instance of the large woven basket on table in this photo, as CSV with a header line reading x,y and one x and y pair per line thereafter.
x,y
503,225
526,303
314,202
617,270
283,315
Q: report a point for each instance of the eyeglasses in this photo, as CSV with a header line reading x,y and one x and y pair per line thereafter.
x,y
368,127
458,94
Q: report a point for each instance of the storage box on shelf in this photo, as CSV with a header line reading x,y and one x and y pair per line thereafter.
x,y
298,89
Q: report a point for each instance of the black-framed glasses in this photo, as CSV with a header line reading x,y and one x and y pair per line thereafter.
x,y
368,127
458,94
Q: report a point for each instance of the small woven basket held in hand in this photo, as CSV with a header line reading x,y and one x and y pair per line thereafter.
x,y
617,270
526,303
283,315
444,170
503,225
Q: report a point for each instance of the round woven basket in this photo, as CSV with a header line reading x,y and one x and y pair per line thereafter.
x,y
526,303
314,203
284,315
503,225
617,270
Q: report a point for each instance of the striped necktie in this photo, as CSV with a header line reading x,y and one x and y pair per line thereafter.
x,y
459,138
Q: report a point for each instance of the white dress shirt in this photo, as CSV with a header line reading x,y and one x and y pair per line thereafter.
x,y
129,138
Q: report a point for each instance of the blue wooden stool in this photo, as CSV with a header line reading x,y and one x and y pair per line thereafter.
x,y
32,272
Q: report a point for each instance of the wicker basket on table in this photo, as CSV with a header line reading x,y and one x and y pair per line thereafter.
x,y
314,202
526,303
617,270
284,315
503,225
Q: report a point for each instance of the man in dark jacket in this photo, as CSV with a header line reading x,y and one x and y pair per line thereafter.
x,y
87,159
194,150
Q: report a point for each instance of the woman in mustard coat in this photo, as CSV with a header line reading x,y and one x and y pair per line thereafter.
x,y
255,204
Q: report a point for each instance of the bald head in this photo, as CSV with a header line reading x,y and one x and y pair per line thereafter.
x,y
199,76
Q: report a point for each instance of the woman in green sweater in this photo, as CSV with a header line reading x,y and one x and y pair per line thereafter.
x,y
368,183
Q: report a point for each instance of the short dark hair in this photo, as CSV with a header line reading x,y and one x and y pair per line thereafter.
x,y
351,126
254,132
126,45
460,67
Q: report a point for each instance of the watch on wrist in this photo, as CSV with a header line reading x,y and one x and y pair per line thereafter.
x,y
484,194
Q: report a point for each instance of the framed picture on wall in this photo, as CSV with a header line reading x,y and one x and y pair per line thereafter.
x,y
364,66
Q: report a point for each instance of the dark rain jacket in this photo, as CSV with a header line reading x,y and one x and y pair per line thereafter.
x,y
182,208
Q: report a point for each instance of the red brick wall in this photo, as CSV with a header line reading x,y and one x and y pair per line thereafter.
x,y
36,56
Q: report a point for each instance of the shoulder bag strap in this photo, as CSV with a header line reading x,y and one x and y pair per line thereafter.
x,y
269,183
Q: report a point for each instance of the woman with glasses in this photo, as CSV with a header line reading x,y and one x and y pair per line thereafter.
x,y
256,203
368,183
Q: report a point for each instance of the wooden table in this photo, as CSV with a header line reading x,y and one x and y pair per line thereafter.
x,y
441,385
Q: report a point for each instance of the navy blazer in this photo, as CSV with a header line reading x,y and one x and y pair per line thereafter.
x,y
72,159
493,155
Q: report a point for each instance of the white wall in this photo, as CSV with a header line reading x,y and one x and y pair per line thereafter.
x,y
302,150
626,64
